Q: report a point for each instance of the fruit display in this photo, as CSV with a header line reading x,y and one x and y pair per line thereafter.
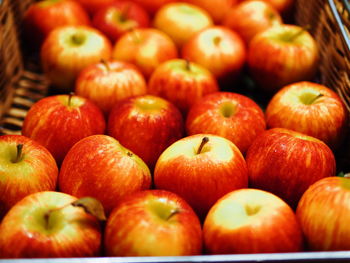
x,y
174,128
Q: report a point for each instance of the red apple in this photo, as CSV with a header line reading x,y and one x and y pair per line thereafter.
x,y
201,168
286,163
120,17
182,82
219,49
100,167
26,167
282,55
324,213
181,21
153,223
59,121
282,6
153,5
146,48
46,225
69,49
227,114
251,17
92,6
309,108
107,82
56,13
146,125
217,9
251,221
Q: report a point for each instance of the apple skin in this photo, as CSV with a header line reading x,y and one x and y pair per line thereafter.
x,y
282,6
182,82
153,223
181,21
59,121
324,213
282,55
69,49
100,167
298,107
146,125
93,6
201,179
251,221
219,49
35,171
120,17
250,18
146,48
57,13
227,114
73,232
286,163
217,9
152,6
106,83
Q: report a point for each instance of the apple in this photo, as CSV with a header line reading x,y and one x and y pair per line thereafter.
x,y
26,167
146,125
92,6
46,225
219,49
217,9
309,108
100,167
286,163
324,213
59,121
181,21
284,7
152,6
282,55
146,48
153,223
107,82
251,17
120,17
182,83
201,168
69,49
251,221
57,13
227,114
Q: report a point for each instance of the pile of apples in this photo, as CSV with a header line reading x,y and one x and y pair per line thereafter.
x,y
145,148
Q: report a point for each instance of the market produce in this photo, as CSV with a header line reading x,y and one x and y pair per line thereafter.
x,y
59,121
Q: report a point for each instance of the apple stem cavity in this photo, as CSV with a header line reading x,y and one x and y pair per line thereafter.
x,y
70,96
129,154
297,33
19,153
106,65
124,12
188,65
315,98
78,39
217,40
172,213
204,141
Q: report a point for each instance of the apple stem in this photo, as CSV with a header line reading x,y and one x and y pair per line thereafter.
x,y
172,213
298,33
317,97
70,96
124,12
204,141
19,153
105,63
217,40
188,65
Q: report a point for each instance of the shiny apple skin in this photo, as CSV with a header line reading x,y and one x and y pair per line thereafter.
x,y
135,229
23,234
275,61
146,132
324,213
100,167
93,6
326,118
201,179
233,227
242,127
107,83
56,13
36,171
219,49
181,83
152,6
147,48
286,163
120,17
62,59
58,126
